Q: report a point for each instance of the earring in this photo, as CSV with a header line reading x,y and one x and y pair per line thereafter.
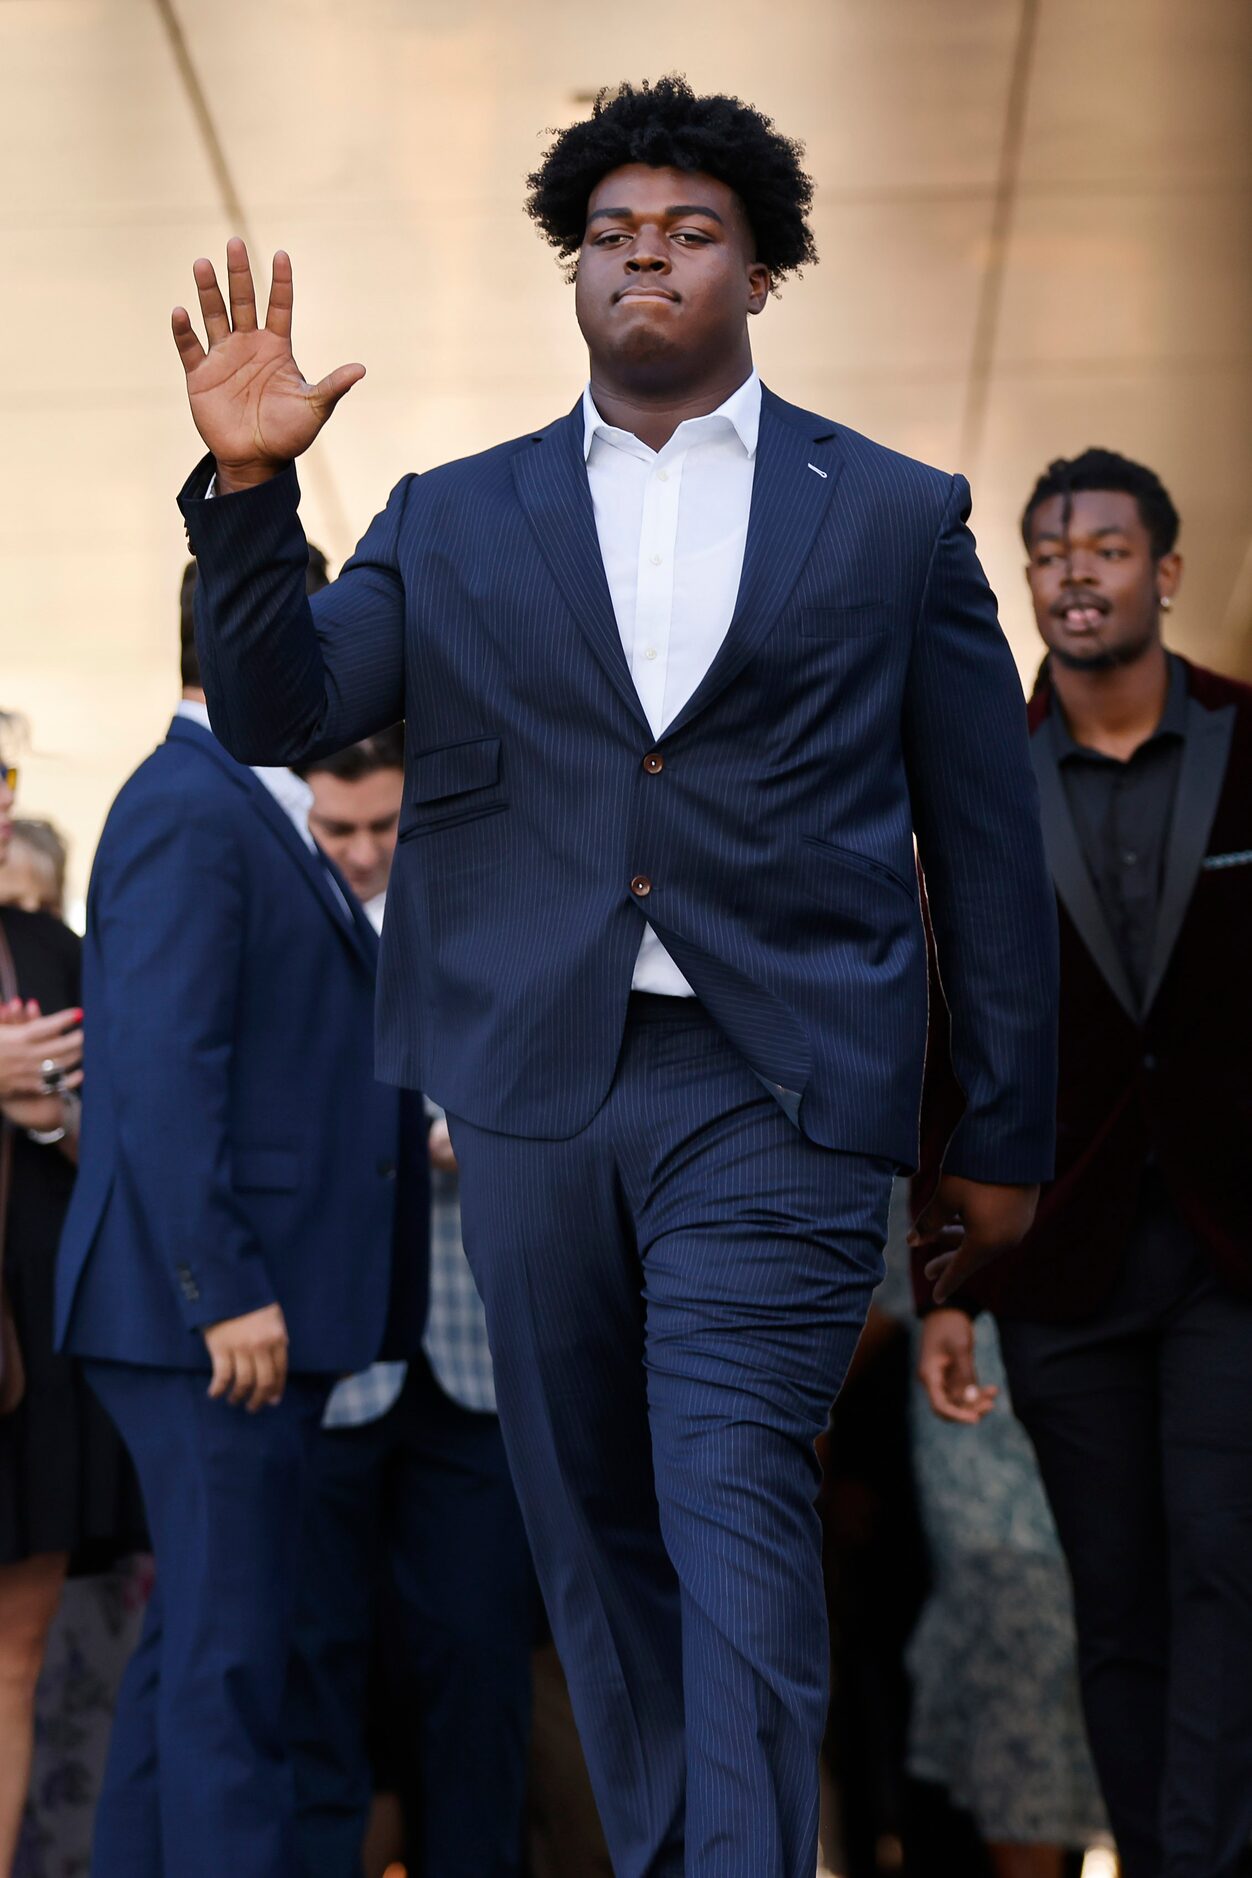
x,y
1166,603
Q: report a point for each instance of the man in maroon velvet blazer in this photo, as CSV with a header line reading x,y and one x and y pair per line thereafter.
x,y
1126,1314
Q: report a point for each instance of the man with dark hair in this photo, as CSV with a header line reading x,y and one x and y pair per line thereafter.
x,y
413,1527
227,1253
1126,1313
681,675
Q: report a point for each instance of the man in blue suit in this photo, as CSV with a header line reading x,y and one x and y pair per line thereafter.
x,y
683,675
227,1252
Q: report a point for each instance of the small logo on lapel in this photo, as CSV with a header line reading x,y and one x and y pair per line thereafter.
x,y
1242,857
817,472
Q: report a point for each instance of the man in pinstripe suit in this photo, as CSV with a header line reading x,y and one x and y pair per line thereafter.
x,y
683,674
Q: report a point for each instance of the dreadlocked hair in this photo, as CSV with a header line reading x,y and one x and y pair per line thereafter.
x,y
665,125
1106,470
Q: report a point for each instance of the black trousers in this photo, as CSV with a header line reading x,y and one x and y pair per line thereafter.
x,y
421,1499
1141,1417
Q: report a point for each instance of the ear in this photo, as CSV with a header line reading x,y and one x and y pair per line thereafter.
x,y
1168,576
760,281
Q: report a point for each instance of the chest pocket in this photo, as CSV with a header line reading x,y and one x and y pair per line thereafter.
x,y
457,783
861,621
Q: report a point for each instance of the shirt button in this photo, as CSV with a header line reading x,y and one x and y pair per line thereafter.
x,y
656,560
662,476
650,652
1129,858
654,762
641,886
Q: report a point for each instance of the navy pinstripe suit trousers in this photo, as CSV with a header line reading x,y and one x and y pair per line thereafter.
x,y
673,1298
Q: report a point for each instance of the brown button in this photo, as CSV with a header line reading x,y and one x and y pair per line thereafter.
x,y
654,762
641,885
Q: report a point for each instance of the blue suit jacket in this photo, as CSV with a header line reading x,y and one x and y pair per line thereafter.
x,y
236,1147
863,693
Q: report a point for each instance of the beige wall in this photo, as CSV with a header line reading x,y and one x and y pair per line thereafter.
x,y
1035,221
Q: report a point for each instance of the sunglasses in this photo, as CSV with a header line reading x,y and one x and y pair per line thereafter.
x,y
9,772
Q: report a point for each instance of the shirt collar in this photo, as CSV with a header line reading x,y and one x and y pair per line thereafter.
x,y
742,410
195,710
1173,719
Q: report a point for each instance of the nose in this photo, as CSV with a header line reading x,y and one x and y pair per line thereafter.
x,y
647,256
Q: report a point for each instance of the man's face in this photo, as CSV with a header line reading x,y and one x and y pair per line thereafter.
x,y
355,824
667,273
1095,582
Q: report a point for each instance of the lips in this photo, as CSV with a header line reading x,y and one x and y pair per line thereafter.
x,y
645,293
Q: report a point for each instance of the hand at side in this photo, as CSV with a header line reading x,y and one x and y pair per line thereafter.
x,y
249,1356
945,1369
971,1222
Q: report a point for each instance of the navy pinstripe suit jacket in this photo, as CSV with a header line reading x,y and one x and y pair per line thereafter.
x,y
863,692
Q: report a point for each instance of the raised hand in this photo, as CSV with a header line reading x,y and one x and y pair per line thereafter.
x,y
250,401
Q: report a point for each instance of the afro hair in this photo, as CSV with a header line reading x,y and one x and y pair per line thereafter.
x,y
668,127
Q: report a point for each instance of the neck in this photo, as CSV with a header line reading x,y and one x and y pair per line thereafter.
x,y
192,694
652,408
1115,710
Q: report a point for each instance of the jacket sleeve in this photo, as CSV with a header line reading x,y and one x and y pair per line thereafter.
x,y
287,677
169,924
993,910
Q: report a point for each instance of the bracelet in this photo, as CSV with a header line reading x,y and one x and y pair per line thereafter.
x,y
49,1137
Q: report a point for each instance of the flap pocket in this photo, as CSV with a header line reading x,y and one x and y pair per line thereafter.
x,y
454,770
265,1170
864,864
846,622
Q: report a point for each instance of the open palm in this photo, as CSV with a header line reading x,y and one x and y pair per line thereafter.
x,y
250,401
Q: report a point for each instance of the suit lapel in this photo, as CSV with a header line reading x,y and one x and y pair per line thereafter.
x,y
353,925
314,870
792,485
1206,751
1073,882
550,474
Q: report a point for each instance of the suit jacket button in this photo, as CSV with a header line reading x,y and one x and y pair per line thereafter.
x,y
654,762
387,1169
641,886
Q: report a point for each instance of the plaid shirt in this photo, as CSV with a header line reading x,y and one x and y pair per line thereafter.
x,y
455,1338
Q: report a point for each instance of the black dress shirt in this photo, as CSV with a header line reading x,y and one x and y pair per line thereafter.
x,y
1122,813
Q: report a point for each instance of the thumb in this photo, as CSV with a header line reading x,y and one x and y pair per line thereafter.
x,y
930,1222
328,391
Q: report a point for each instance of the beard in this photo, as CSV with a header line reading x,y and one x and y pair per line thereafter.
x,y
1105,658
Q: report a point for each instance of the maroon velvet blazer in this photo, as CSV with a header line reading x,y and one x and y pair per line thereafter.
x,y
1169,1082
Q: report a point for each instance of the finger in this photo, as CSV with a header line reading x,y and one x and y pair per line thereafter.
x,y
931,1221
74,1080
212,305
245,1375
328,391
278,312
934,1268
190,351
55,1022
223,1372
933,1375
262,1381
239,286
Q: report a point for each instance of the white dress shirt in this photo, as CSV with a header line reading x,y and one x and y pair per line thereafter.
x,y
672,525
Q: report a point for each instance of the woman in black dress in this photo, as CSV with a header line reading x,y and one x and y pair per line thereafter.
x,y
66,1493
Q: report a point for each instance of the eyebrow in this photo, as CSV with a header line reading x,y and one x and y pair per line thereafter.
x,y
678,208
1112,528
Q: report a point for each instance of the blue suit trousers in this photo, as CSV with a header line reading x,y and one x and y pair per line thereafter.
x,y
198,1781
673,1297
